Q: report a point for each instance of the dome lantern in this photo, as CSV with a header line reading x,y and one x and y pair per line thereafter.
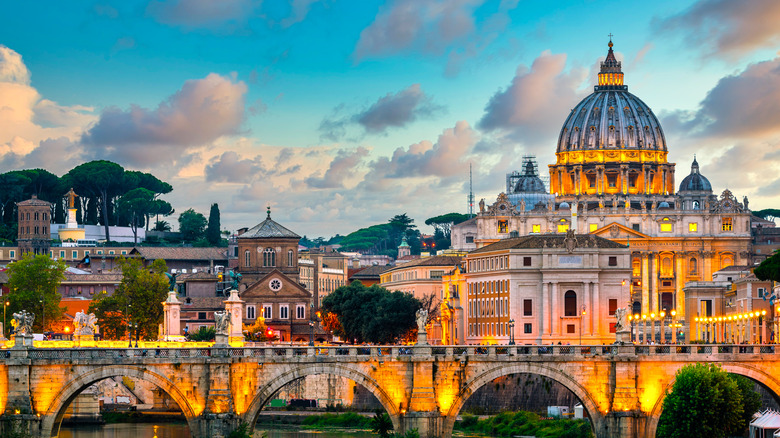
x,y
611,74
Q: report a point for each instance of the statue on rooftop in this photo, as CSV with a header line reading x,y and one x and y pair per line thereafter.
x,y
71,198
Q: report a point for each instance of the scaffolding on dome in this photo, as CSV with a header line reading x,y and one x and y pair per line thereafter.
x,y
540,194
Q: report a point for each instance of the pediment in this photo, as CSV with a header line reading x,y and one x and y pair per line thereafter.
x,y
615,230
275,284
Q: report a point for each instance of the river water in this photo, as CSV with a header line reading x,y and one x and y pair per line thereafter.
x,y
174,430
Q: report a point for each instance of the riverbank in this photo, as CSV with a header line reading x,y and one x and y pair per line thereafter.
x,y
510,424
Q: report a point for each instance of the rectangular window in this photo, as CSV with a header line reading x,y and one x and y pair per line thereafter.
x,y
11,254
593,227
761,292
300,311
528,328
436,274
110,252
706,308
526,261
536,228
469,239
74,254
612,328
612,260
62,254
563,228
571,329
612,306
124,252
666,228
502,226
201,315
267,312
726,224
635,227
693,227
250,312
284,311
528,309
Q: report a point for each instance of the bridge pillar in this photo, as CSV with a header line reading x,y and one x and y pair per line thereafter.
x,y
423,413
623,424
219,418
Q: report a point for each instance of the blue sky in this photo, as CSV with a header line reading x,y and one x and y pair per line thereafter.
x,y
341,114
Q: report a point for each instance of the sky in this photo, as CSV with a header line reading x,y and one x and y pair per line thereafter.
x,y
341,114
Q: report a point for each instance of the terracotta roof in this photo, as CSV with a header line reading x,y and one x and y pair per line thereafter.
x,y
268,228
200,275
549,241
370,272
180,253
431,261
35,201
202,303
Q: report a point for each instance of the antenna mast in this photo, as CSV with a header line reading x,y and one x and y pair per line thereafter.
x,y
470,202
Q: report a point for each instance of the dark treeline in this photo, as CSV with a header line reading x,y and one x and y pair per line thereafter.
x,y
108,195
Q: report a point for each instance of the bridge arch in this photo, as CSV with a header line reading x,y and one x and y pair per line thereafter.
x,y
478,381
276,382
747,370
51,421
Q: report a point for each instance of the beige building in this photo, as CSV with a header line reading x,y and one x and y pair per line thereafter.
x,y
546,289
322,272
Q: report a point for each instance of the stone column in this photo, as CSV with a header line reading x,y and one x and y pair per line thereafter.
x,y
235,306
556,313
594,317
679,277
654,295
544,310
171,318
645,284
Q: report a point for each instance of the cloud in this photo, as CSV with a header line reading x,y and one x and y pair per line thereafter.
x,y
229,167
342,167
727,28
202,111
12,68
532,107
298,11
431,24
208,14
445,158
390,111
746,104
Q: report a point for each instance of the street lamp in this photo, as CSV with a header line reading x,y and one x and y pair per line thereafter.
x,y
511,332
582,315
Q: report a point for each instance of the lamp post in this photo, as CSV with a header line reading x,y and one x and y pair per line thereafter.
x,y
662,317
582,316
674,323
511,332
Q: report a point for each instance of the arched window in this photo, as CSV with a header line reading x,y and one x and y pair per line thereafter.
x,y
570,303
692,265
696,205
269,257
36,215
290,260
247,258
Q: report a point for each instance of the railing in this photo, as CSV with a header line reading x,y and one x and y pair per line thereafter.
x,y
401,352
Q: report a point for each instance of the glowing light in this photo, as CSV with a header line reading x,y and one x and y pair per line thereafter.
x,y
763,312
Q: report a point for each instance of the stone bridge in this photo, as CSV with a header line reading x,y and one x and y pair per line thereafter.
x,y
421,387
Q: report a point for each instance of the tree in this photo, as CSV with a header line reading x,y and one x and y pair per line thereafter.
x,y
751,400
769,269
33,282
136,204
445,222
138,299
212,230
100,180
258,332
704,402
371,314
191,225
769,214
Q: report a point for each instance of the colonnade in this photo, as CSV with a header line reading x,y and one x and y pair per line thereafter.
x,y
741,328
643,327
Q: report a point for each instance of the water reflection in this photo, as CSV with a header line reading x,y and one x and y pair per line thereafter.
x,y
170,430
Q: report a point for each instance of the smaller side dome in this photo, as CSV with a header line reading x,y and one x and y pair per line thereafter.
x,y
695,182
663,204
564,206
529,181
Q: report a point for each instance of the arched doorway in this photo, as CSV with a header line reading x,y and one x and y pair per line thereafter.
x,y
51,422
275,383
569,382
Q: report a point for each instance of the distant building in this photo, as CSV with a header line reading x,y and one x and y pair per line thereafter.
x,y
34,226
322,272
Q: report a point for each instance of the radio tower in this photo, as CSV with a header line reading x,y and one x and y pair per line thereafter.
x,y
470,202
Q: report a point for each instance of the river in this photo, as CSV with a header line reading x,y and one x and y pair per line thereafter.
x,y
175,430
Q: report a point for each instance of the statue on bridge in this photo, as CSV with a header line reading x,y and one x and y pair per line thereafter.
x,y
221,320
422,319
23,322
86,324
236,279
171,280
620,315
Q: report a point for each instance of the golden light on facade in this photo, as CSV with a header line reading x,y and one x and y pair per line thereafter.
x,y
763,312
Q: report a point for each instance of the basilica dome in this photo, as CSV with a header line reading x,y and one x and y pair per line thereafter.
x,y
611,117
695,181
529,181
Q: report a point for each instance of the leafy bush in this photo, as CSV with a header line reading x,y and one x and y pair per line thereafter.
x,y
203,334
526,423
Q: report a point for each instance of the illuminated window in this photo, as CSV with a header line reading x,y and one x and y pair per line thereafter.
x,y
666,228
693,227
593,227
536,228
726,225
562,228
502,226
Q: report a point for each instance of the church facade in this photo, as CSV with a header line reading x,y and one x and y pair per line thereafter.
x,y
612,179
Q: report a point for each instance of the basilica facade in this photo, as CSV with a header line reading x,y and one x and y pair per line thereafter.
x,y
612,179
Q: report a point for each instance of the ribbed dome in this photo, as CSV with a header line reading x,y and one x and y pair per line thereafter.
x,y
529,181
695,182
611,117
